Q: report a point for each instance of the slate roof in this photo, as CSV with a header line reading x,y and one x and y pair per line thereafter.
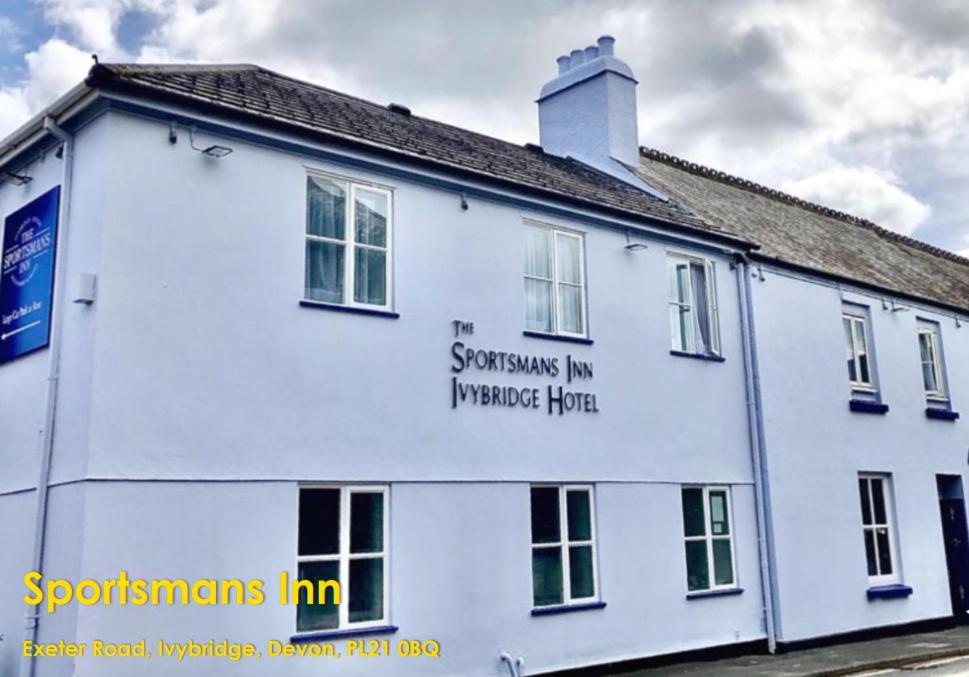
x,y
255,91
779,226
809,235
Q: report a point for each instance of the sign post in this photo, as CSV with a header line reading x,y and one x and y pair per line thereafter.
x,y
27,276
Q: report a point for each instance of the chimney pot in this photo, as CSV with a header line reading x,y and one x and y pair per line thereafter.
x,y
577,57
591,52
563,62
606,43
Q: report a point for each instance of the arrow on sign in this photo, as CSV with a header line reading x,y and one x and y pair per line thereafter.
x,y
4,337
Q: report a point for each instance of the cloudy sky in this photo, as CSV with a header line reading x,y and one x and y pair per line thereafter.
x,y
859,104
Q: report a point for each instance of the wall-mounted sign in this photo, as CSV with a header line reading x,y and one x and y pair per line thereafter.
x,y
27,276
552,398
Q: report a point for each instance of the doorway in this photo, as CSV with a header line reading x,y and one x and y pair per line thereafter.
x,y
952,506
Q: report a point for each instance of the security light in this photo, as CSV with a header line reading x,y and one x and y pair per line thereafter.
x,y
15,179
214,151
631,246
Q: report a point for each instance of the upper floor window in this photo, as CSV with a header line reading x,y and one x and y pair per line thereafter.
x,y
930,353
709,539
563,545
348,236
554,281
876,521
343,537
860,370
693,306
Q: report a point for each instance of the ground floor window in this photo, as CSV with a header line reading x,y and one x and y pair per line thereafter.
x,y
563,545
343,537
709,538
876,520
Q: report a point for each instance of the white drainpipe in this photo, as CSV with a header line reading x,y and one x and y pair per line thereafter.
x,y
516,666
32,617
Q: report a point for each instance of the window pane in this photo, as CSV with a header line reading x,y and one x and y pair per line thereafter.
x,y
928,378
884,551
538,258
370,217
865,375
366,589
865,505
927,352
870,552
366,522
547,576
538,305
722,562
569,259
719,524
325,208
581,582
699,292
317,616
570,309
697,570
680,283
580,522
681,328
878,499
319,521
324,271
693,512
545,515
370,273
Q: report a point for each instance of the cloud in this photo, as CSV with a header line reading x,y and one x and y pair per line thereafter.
x,y
862,192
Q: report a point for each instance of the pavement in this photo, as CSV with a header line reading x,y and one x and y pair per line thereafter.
x,y
928,654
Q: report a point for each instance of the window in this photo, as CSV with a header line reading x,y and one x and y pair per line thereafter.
x,y
693,306
554,281
348,233
931,357
708,535
343,537
563,545
876,520
859,356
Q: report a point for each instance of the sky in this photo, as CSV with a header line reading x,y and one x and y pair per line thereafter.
x,y
861,105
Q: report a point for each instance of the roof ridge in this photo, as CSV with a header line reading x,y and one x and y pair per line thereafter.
x,y
781,196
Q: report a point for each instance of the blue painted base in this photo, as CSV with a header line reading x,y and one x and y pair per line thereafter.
x,y
346,632
889,591
703,594
867,407
567,608
940,414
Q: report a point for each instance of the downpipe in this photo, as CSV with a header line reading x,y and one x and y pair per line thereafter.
x,y
516,666
32,617
758,448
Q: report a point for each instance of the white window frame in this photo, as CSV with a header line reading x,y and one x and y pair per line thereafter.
x,y
672,260
709,537
889,495
554,232
564,543
858,319
351,245
932,333
344,556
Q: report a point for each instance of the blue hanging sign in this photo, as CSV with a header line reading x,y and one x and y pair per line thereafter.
x,y
27,276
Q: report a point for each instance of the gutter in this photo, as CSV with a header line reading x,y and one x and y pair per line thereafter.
x,y
758,455
32,617
35,129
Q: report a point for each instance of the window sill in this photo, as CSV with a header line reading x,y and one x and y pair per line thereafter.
x,y
703,594
558,337
867,406
317,635
889,591
356,310
940,414
698,356
566,608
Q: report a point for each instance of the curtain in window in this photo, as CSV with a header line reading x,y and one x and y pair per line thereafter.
x,y
570,280
325,258
701,302
538,280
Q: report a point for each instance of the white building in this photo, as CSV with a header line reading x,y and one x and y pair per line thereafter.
x,y
540,402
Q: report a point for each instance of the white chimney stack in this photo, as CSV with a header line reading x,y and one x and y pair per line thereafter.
x,y
588,111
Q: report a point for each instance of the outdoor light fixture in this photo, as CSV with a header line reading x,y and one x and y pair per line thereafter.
x,y
15,179
633,246
214,151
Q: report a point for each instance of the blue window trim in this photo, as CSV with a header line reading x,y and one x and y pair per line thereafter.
x,y
867,406
698,356
889,591
703,594
566,608
940,414
558,337
357,310
337,634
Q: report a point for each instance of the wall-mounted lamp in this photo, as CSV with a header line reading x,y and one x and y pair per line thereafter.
x,y
958,322
214,151
15,179
898,309
464,202
633,246
172,136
